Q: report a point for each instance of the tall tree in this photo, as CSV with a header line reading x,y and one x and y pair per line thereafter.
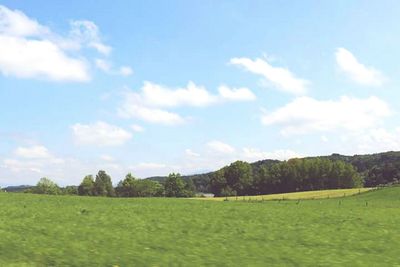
x,y
86,188
239,177
46,186
103,185
174,185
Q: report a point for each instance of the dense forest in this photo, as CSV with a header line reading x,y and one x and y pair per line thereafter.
x,y
373,170
242,178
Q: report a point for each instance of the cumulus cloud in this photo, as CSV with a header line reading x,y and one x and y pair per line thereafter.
x,y
137,128
33,152
374,140
107,67
282,78
133,108
191,153
236,94
86,33
31,159
151,102
356,71
220,147
306,114
31,50
160,96
100,134
107,158
253,154
125,71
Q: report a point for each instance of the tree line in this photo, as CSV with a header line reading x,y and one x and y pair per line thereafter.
x,y
374,170
101,185
241,178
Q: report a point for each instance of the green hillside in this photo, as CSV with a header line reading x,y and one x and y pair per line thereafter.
x,y
375,169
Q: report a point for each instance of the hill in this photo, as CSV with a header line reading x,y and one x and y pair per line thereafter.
x,y
18,188
375,169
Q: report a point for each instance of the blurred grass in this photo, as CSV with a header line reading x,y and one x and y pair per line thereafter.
x,y
318,194
361,230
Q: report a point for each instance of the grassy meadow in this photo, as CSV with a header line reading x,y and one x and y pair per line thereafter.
x,y
42,230
317,194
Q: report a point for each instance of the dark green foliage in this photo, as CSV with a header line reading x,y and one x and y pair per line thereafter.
x,y
287,176
132,187
103,185
374,170
175,186
70,190
86,188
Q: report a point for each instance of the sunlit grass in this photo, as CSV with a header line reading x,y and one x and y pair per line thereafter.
x,y
38,230
298,195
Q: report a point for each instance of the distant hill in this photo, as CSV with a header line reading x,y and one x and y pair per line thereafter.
x,y
18,188
376,169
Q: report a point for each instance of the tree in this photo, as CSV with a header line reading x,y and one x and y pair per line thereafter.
x,y
174,185
86,188
128,187
218,182
70,190
190,188
46,186
103,185
148,188
239,177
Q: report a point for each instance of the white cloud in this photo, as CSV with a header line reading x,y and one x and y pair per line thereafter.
x,y
31,50
281,78
306,114
103,65
31,159
150,103
191,153
358,72
236,94
16,23
137,128
148,165
33,152
18,165
106,66
100,133
160,96
133,108
106,158
254,154
324,139
220,147
87,33
373,141
42,59
125,71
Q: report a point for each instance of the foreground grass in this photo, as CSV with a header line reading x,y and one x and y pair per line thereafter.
x,y
360,230
318,194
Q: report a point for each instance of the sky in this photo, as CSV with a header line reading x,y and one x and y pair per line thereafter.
x,y
153,87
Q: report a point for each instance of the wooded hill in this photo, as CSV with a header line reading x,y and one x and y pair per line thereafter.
x,y
311,173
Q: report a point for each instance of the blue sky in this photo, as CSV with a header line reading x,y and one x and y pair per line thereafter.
x,y
151,87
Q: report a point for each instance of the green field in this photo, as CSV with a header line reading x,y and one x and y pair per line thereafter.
x,y
360,230
318,194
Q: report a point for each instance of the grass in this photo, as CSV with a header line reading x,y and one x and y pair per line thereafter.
x,y
360,230
318,194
